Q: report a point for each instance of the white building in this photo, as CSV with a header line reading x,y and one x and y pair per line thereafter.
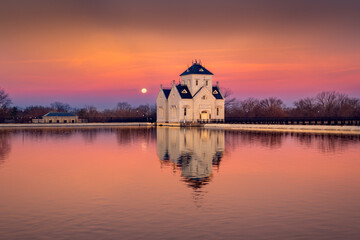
x,y
194,99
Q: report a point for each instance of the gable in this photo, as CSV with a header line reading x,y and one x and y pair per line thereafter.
x,y
161,95
216,93
184,91
204,91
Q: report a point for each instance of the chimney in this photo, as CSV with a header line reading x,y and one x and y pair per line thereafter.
x,y
217,83
160,86
173,82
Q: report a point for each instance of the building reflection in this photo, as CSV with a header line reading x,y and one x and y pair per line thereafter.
x,y
193,151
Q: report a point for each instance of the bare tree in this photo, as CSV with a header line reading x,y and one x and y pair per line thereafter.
x,y
5,100
60,107
272,107
5,103
249,107
306,107
230,102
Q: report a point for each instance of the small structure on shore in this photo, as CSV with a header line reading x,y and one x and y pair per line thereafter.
x,y
58,117
194,99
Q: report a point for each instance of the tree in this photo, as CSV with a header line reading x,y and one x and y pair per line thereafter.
x,y
123,106
60,107
123,109
230,102
306,107
272,107
5,103
249,107
5,100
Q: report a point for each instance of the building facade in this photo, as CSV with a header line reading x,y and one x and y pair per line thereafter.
x,y
194,99
58,117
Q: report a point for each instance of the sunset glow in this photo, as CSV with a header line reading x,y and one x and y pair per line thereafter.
x,y
102,52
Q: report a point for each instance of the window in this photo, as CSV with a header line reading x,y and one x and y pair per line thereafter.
x,y
50,121
197,82
203,97
206,82
184,111
57,121
73,121
215,92
201,70
184,91
217,111
65,121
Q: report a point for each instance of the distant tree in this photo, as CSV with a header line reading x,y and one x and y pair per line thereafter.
x,y
249,107
32,112
143,110
5,100
123,106
272,107
14,113
93,114
60,107
326,102
123,109
5,103
230,102
306,107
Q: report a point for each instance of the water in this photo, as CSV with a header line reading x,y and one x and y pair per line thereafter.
x,y
170,183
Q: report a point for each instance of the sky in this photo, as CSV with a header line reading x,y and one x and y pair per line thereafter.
x,y
100,52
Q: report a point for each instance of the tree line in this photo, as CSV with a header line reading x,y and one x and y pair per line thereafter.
x,y
324,104
122,112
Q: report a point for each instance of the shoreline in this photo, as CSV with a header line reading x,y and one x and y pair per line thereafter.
x,y
355,130
74,125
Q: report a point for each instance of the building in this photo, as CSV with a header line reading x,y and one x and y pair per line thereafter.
x,y
58,117
194,99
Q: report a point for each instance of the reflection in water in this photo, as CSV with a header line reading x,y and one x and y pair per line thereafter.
x,y
106,184
5,146
273,140
127,136
327,143
242,138
194,151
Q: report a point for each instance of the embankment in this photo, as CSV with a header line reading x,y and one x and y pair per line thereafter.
x,y
287,128
74,125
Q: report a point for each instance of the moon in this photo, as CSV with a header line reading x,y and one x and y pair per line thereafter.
x,y
144,90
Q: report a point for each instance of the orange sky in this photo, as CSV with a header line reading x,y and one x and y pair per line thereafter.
x,y
102,52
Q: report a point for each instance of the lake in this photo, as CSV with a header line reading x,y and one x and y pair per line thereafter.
x,y
178,183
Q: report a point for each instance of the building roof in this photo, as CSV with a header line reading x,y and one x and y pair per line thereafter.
x,y
216,93
167,92
184,91
59,114
196,68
